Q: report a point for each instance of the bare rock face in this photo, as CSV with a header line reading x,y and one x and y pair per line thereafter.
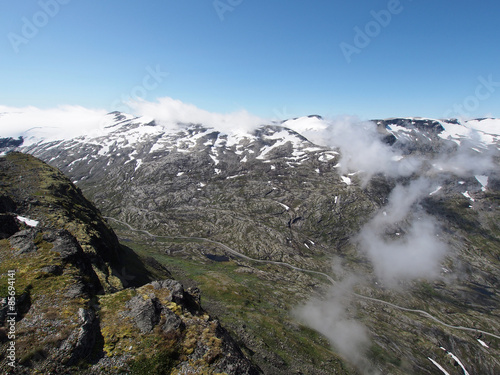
x,y
24,241
145,312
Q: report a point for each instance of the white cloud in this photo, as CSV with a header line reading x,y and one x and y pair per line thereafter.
x,y
169,112
361,147
55,123
400,240
334,317
67,122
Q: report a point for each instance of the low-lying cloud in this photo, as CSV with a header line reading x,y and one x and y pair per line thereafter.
x,y
361,147
333,316
401,240
61,122
170,112
67,122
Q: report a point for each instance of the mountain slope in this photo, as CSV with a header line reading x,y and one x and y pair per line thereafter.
x,y
66,307
402,211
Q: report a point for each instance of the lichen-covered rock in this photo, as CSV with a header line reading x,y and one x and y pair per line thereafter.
x,y
24,241
145,312
175,287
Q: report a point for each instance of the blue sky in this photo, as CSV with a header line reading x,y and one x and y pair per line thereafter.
x,y
276,58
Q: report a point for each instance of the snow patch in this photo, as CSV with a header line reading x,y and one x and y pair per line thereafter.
x,y
304,124
456,360
284,206
214,158
438,366
327,156
28,222
459,363
346,180
139,163
467,195
435,191
483,180
483,343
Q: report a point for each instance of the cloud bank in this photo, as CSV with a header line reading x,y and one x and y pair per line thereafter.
x,y
361,147
170,112
67,122
62,122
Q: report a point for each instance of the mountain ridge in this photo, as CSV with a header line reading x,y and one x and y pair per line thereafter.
x,y
335,198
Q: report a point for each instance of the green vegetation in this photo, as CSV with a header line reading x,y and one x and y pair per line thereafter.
x,y
160,363
241,298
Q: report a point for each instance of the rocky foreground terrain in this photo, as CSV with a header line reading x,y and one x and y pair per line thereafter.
x,y
321,249
83,303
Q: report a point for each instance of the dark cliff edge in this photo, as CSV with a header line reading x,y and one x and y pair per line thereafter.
x,y
75,301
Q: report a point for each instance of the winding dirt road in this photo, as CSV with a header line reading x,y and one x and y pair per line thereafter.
x,y
243,256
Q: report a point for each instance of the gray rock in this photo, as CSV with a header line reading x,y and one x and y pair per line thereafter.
x,y
24,241
52,269
172,322
80,343
66,245
175,287
146,313
75,290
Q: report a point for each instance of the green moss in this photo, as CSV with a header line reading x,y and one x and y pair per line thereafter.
x,y
377,354
243,299
161,363
56,202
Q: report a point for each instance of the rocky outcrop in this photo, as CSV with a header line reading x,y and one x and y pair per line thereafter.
x,y
56,310
194,342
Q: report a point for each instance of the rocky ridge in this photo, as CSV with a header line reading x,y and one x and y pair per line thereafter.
x,y
76,309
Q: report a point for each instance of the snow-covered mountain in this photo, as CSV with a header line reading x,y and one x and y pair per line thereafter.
x,y
135,140
479,133
398,201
